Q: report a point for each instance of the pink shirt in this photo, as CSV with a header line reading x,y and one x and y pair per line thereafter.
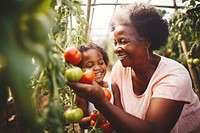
x,y
171,81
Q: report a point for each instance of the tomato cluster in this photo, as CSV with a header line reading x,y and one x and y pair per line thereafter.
x,y
76,74
73,56
99,122
195,61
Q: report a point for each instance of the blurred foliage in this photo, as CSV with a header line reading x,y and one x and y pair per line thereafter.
x,y
34,36
185,26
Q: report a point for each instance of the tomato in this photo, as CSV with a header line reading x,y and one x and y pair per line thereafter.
x,y
196,61
94,115
92,122
97,117
97,124
73,74
107,93
72,55
168,52
73,115
190,61
107,127
39,22
87,77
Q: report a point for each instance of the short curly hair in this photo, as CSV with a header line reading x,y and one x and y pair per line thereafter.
x,y
91,45
146,20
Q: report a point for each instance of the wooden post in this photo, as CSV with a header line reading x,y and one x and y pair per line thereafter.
x,y
88,16
192,70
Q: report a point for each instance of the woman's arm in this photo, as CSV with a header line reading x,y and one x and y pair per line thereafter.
x,y
161,115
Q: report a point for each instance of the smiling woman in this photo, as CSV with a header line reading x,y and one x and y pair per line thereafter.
x,y
146,81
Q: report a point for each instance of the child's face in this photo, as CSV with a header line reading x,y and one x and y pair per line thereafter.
x,y
93,60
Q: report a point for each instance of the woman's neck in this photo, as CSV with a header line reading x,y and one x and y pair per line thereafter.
x,y
148,69
142,76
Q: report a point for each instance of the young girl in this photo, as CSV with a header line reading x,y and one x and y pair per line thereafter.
x,y
96,59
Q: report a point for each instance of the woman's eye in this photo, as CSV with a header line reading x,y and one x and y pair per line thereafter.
x,y
124,42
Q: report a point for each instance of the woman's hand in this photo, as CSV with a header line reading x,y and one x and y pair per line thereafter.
x,y
91,92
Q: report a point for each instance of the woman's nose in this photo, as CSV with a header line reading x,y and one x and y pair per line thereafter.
x,y
117,49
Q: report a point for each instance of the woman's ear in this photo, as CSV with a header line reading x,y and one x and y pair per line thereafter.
x,y
147,43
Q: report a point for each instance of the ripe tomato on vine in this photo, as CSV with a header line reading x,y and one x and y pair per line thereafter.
x,y
87,77
72,55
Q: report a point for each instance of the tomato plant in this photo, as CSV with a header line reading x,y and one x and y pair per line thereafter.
x,y
73,115
107,93
87,77
73,74
72,55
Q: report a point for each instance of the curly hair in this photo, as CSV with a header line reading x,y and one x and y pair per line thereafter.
x,y
91,45
146,20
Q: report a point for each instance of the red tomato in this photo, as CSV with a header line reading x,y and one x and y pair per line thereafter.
x,y
97,118
97,124
94,115
87,77
72,55
107,93
92,123
107,127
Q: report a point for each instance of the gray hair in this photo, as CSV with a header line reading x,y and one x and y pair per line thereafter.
x,y
146,21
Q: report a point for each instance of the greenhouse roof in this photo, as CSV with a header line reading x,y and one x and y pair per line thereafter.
x,y
98,13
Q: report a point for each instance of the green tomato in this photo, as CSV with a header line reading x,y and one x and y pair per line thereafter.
x,y
73,74
190,61
73,115
40,25
196,61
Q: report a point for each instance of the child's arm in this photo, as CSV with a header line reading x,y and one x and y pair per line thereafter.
x,y
116,94
83,104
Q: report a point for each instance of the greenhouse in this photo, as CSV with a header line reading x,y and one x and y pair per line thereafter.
x,y
59,58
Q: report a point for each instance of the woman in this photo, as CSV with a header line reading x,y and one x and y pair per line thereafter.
x,y
156,92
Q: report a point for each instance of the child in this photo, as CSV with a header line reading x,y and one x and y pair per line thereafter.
x,y
96,59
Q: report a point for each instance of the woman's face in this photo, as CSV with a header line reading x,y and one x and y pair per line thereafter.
x,y
93,60
131,51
